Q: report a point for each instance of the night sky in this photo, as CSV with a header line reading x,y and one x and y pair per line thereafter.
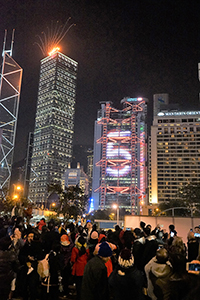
x,y
124,48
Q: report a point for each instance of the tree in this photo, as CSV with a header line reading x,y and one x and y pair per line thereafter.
x,y
187,196
190,194
72,200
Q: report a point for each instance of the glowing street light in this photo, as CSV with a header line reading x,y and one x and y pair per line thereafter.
x,y
115,206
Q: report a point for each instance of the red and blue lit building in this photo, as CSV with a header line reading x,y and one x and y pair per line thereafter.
x,y
119,168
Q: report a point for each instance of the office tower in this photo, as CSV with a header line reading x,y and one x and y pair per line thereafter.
x,y
11,77
119,167
76,176
90,167
54,123
27,168
175,154
160,102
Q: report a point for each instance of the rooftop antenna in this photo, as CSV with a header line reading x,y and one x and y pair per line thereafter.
x,y
4,43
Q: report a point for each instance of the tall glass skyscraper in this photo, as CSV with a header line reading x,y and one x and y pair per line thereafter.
x,y
54,124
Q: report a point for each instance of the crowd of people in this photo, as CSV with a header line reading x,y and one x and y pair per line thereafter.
x,y
136,263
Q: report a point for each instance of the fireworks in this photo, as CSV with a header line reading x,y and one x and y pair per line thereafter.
x,y
54,35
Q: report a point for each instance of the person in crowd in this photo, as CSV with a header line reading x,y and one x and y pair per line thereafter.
x,y
109,262
126,281
95,281
66,250
193,282
17,241
138,248
50,285
150,247
41,224
177,256
172,234
27,277
8,267
72,231
16,245
142,226
192,245
81,231
158,272
79,258
89,229
50,237
128,239
92,242
115,236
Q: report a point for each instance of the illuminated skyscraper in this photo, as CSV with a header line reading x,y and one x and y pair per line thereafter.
x,y
54,124
11,77
174,158
119,168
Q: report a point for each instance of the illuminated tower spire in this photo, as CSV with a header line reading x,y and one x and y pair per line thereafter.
x,y
10,86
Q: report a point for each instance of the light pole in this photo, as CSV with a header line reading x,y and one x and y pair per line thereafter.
x,y
115,206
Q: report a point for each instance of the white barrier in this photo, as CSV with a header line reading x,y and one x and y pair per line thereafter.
x,y
182,225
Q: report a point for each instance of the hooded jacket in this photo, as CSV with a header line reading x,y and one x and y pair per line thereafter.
x,y
158,283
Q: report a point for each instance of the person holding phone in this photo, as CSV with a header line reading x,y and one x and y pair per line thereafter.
x,y
192,245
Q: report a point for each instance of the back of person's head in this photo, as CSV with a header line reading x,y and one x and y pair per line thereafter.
x,y
159,235
147,231
117,228
137,232
71,227
128,239
178,242
81,244
171,227
80,229
94,227
51,225
142,225
162,255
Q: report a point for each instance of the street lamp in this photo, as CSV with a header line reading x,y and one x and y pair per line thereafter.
x,y
115,206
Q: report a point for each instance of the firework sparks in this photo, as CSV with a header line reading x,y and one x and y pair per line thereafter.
x,y
51,39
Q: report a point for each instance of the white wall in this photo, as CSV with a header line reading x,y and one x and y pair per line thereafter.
x,y
182,225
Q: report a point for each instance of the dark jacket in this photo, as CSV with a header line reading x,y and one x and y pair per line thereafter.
x,y
127,284
8,265
95,282
193,249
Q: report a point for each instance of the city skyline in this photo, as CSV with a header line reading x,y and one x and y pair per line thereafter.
x,y
123,49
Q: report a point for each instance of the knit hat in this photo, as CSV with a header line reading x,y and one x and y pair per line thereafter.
x,y
64,240
126,259
94,235
104,250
